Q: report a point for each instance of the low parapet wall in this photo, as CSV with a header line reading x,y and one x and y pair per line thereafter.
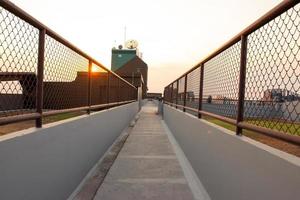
x,y
234,167
50,162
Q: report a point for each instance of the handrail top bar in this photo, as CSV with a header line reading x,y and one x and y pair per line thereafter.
x,y
270,15
11,7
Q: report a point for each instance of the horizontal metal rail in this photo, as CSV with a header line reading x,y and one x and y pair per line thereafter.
x,y
32,116
19,118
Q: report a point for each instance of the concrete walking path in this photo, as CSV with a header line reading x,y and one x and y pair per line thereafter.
x,y
146,167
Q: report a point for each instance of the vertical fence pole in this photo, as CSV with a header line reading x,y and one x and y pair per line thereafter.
x,y
119,90
177,84
184,93
136,93
108,88
241,97
200,90
170,93
171,100
40,77
89,86
166,93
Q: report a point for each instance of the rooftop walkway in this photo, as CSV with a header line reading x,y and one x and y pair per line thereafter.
x,y
147,166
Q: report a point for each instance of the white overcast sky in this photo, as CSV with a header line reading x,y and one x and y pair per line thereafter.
x,y
172,34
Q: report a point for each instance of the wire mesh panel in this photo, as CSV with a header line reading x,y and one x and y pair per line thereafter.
x,y
66,81
270,59
220,82
126,89
272,97
113,88
131,92
174,92
167,94
123,91
65,77
135,94
18,63
99,85
180,94
192,89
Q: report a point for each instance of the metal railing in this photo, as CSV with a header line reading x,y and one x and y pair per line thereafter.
x,y
252,81
42,74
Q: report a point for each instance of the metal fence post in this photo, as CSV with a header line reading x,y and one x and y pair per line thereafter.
x,y
177,84
184,93
89,86
108,88
164,92
200,90
241,97
119,91
40,77
171,100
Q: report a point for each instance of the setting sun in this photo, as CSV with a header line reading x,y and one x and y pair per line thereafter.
x,y
95,68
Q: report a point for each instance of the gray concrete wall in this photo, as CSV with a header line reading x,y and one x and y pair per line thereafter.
x,y
232,167
49,163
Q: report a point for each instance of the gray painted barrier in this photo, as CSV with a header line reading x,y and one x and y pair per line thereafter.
x,y
50,162
232,167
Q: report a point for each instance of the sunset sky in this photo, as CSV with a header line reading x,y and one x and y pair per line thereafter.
x,y
173,35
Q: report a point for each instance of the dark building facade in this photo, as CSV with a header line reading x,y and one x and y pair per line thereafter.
x,y
63,94
127,64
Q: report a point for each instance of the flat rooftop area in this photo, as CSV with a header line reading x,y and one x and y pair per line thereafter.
x,y
147,166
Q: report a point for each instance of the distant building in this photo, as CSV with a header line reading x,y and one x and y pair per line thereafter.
x,y
279,95
61,94
154,95
127,64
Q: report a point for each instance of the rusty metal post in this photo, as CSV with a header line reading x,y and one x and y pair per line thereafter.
x,y
119,90
107,97
184,93
171,100
40,77
241,97
136,93
177,84
167,94
200,90
89,86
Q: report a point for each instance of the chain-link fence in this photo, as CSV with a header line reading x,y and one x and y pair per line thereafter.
x,y
42,74
253,81
192,90
18,62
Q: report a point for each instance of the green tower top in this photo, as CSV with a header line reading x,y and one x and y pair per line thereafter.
x,y
120,57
